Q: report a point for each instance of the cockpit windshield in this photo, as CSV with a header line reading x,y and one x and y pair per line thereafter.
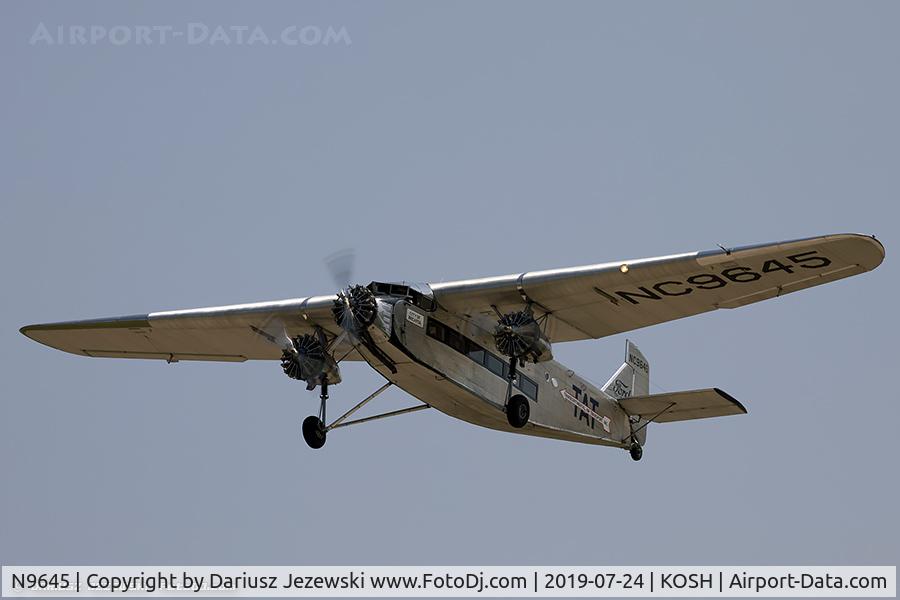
x,y
419,294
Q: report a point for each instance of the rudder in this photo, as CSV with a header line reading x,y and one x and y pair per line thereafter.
x,y
631,379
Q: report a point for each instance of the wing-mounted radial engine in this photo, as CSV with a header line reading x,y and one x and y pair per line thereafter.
x,y
519,337
307,359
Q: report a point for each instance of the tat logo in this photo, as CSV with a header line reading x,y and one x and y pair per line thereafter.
x,y
585,407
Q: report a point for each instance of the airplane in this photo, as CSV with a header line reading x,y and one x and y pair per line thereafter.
x,y
480,350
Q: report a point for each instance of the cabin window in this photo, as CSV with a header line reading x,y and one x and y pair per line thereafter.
x,y
423,302
476,353
495,365
455,340
435,330
446,335
528,387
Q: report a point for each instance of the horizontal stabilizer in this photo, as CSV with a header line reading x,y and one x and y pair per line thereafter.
x,y
683,406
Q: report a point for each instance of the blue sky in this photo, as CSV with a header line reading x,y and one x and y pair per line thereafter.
x,y
444,141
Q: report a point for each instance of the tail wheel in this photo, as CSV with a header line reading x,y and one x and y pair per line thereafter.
x,y
314,432
518,411
636,451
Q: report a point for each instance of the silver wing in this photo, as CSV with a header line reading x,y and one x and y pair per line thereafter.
x,y
220,333
580,303
600,300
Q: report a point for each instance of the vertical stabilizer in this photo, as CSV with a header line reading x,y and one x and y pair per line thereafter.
x,y
632,378
641,366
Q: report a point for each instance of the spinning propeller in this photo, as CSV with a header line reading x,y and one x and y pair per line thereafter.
x,y
354,310
355,307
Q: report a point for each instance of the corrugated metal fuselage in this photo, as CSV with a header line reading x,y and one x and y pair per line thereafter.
x,y
563,406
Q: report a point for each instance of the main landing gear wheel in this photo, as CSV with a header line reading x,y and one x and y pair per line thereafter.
x,y
314,426
314,432
636,451
518,411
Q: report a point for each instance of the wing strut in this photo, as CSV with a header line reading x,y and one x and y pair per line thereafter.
x,y
342,420
393,413
339,420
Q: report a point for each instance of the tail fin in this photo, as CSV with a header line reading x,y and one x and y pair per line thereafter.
x,y
632,378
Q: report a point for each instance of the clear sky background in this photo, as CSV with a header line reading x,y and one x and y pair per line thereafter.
x,y
445,141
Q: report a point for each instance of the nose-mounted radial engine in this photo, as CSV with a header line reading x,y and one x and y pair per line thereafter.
x,y
355,309
518,336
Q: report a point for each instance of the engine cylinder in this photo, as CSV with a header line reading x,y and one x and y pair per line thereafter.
x,y
308,361
518,335
355,309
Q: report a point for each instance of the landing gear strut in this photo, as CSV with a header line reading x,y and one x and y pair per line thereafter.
x,y
516,407
314,430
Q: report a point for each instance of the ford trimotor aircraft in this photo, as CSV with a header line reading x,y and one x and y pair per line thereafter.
x,y
480,350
